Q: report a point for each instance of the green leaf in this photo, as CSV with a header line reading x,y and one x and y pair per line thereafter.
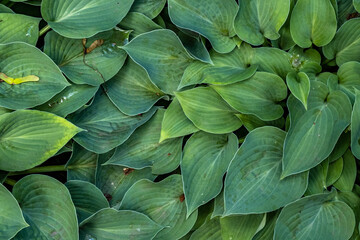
x,y
138,23
251,122
82,164
91,67
195,45
164,203
213,20
106,126
345,46
165,62
341,146
314,133
204,103
267,232
11,217
87,198
175,123
257,20
299,85
143,149
150,8
83,18
334,171
242,227
109,224
348,176
315,217
313,21
210,230
71,99
193,74
317,178
355,126
206,159
357,5
18,28
218,205
348,81
258,95
132,91
253,183
47,207
5,9
20,59
29,138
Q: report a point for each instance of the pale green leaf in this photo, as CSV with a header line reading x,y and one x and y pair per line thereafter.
x,y
299,85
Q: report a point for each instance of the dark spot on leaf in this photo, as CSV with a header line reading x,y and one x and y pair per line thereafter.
x,y
108,196
182,197
169,154
353,15
127,171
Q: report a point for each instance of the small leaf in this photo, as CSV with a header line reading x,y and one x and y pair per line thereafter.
x,y
150,8
299,85
334,171
242,227
355,126
346,181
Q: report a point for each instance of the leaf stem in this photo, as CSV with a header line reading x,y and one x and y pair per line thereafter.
x,y
10,181
44,30
55,168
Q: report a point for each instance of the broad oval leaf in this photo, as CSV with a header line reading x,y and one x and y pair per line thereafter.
x,y
83,18
21,60
313,21
11,217
29,138
150,8
257,20
47,207
204,103
253,183
206,159
212,19
315,217
299,85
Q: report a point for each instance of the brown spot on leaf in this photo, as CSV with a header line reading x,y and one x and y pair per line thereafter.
x,y
182,197
94,45
169,154
353,15
127,171
108,196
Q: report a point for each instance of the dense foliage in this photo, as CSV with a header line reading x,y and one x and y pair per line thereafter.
x,y
179,119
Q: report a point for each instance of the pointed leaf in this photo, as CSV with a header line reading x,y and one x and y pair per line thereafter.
x,y
348,176
242,227
349,79
150,8
138,23
334,171
299,85
210,230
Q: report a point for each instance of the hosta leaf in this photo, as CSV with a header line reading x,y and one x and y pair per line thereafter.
x,y
206,159
315,217
132,91
138,23
165,62
94,67
349,79
353,201
47,207
218,205
357,5
143,149
18,28
21,60
210,230
195,45
204,103
11,217
317,178
347,179
315,133
3,176
345,9
150,8
242,227
106,126
28,138
267,232
258,95
346,45
213,20
69,100
108,224
251,122
114,180
257,20
175,123
334,171
5,9
87,198
285,41
341,146
164,203
193,74
253,182
82,164
299,85
313,21
355,126
83,18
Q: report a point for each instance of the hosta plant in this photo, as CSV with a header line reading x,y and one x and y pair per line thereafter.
x,y
179,119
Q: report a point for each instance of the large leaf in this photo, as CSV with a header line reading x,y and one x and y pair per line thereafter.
x,y
253,183
11,217
20,60
257,20
83,66
315,217
106,126
150,8
164,203
83,18
143,149
47,207
109,224
204,103
28,138
212,19
313,134
132,91
346,45
346,181
165,62
313,21
206,159
258,95
18,28
355,127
